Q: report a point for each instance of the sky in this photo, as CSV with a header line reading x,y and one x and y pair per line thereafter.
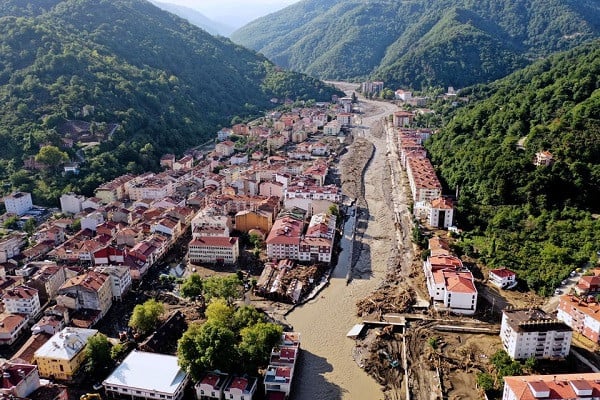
x,y
234,13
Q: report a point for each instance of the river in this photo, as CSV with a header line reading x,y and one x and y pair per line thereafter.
x,y
326,368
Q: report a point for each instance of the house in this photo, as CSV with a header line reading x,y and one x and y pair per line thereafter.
x,y
214,250
403,95
555,387
120,279
240,388
47,280
91,290
581,314
18,203
108,255
225,148
71,203
589,284
344,118
167,160
503,278
19,380
543,159
332,128
531,332
61,356
147,376
10,246
11,327
22,300
402,118
441,213
210,386
278,379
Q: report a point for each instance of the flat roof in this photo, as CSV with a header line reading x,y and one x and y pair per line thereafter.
x,y
65,344
148,371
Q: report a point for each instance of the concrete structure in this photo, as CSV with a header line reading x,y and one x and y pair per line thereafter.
x,y
18,379
11,328
555,387
22,300
581,315
91,290
62,355
144,375
214,249
529,333
18,203
441,213
284,239
120,279
210,386
503,278
240,388
71,203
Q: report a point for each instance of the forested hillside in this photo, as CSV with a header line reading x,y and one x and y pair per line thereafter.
x,y
537,220
169,85
196,18
419,43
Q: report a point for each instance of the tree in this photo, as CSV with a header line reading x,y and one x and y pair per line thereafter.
x,y
245,316
11,223
257,342
225,287
207,347
219,312
191,286
485,381
255,240
51,156
98,355
333,210
29,226
145,316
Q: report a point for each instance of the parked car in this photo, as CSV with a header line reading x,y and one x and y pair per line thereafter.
x,y
557,292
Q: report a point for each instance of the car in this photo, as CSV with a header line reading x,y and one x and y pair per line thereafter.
x,y
564,282
557,292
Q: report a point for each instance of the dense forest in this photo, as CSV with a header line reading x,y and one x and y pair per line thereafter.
x,y
419,43
164,84
541,221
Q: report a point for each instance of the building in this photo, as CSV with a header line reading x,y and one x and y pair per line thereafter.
x,y
47,280
450,285
503,278
11,328
441,213
284,239
18,379
402,118
62,355
240,388
22,300
71,203
214,250
423,181
529,333
120,279
91,291
210,386
18,203
10,246
555,387
581,314
143,375
543,159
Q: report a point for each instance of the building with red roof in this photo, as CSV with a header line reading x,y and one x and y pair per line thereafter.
x,y
582,314
503,278
555,387
211,385
240,388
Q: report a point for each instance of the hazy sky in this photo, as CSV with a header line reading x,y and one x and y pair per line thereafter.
x,y
234,12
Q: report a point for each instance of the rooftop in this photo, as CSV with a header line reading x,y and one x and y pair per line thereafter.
x,y
148,371
65,344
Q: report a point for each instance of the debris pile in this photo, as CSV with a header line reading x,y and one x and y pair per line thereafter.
x,y
287,282
388,299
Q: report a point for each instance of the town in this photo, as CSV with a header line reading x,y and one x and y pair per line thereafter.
x,y
266,201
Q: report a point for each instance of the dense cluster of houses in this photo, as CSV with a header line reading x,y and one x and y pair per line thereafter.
x,y
265,179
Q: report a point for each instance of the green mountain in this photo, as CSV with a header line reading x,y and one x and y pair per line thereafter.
x,y
539,220
419,43
169,85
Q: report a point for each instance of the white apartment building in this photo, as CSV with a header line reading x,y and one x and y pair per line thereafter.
x,y
529,333
22,300
18,203
71,203
214,249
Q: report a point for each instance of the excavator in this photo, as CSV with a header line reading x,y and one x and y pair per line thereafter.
x,y
90,396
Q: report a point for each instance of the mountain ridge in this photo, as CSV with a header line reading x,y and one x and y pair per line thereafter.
x,y
383,40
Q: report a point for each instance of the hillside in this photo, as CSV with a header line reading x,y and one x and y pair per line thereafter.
x,y
419,43
195,17
535,219
169,85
